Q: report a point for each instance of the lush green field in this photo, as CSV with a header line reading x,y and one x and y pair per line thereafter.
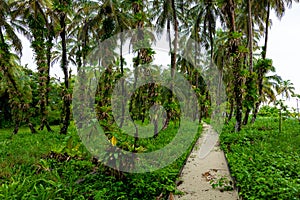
x,y
264,162
53,166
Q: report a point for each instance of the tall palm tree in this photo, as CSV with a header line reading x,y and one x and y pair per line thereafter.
x,y
286,89
35,18
229,10
63,10
8,37
168,16
279,6
262,68
9,66
270,83
205,14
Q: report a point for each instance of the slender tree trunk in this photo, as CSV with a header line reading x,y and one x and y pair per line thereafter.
x,y
30,125
264,53
169,93
173,61
122,80
250,36
236,67
260,88
238,99
249,98
298,117
174,53
246,117
49,47
230,110
140,25
66,95
17,125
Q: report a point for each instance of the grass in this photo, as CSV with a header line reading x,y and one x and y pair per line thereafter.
x,y
264,162
53,166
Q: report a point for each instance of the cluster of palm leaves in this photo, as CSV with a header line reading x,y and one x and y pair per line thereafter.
x,y
66,31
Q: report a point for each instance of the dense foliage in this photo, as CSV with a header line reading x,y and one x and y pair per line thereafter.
x,y
51,165
264,162
48,165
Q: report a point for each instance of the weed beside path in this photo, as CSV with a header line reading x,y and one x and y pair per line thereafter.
x,y
264,162
54,166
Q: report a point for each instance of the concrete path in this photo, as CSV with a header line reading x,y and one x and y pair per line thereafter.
x,y
204,169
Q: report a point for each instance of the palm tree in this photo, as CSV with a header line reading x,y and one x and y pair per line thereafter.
x,y
8,38
266,6
9,66
229,10
297,96
262,68
263,9
34,16
62,9
221,61
98,21
270,83
286,89
168,16
205,15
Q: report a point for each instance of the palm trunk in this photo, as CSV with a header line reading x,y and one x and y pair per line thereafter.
x,y
236,68
257,104
49,47
264,53
174,53
249,98
66,98
250,36
169,94
173,61
140,25
3,57
230,110
122,80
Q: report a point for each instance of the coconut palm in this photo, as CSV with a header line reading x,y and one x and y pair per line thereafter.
x,y
35,18
63,10
8,38
262,67
270,83
229,12
279,6
205,15
9,67
286,89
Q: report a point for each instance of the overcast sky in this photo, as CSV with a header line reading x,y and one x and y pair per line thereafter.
x,y
283,48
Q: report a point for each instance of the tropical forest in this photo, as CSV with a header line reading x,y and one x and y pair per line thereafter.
x,y
113,99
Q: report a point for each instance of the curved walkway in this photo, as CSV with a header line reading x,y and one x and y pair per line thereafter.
x,y
202,170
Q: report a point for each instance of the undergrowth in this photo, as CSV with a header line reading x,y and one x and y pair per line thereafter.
x,y
264,162
53,166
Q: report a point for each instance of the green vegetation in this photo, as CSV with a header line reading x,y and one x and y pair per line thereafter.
x,y
53,163
264,162
55,166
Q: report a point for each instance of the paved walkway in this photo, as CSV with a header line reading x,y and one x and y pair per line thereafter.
x,y
205,166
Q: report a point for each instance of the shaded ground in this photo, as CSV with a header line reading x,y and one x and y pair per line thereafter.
x,y
206,177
